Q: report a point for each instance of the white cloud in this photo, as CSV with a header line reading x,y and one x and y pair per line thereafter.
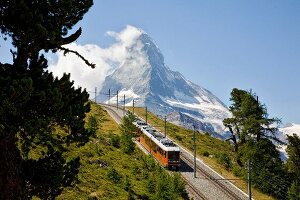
x,y
127,45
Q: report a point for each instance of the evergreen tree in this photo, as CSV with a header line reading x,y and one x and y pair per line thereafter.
x,y
293,150
127,127
33,102
249,119
267,171
253,134
293,166
128,131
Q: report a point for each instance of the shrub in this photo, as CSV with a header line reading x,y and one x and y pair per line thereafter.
x,y
98,150
114,140
113,175
149,163
207,133
92,124
206,153
178,137
225,160
151,185
178,186
127,144
294,191
238,171
127,184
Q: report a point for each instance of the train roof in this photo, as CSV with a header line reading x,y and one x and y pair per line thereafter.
x,y
156,136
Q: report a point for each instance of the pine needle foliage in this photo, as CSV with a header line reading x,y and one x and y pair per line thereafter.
x,y
33,102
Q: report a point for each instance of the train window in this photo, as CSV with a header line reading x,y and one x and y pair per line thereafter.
x,y
153,146
147,141
158,149
173,156
161,152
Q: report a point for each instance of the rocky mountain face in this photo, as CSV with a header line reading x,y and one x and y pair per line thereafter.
x,y
144,77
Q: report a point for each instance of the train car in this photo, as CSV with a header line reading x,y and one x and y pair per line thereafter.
x,y
163,149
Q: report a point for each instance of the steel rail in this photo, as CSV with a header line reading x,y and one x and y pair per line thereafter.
x,y
209,177
195,191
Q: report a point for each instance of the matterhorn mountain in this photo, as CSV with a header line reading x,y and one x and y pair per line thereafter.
x,y
144,77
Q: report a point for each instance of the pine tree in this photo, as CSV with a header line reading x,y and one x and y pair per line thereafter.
x,y
249,119
293,166
33,102
253,133
128,131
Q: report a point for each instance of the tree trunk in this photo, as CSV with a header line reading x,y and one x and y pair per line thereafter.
x,y
233,138
21,60
236,148
258,137
12,186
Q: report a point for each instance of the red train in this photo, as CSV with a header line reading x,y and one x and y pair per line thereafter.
x,y
164,150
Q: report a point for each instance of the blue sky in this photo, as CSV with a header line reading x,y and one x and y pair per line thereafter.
x,y
216,44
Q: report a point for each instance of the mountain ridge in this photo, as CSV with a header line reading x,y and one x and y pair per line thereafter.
x,y
144,77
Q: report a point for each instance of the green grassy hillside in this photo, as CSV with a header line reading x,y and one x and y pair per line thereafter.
x,y
108,173
214,152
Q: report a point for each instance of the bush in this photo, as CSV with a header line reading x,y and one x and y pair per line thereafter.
x,y
178,186
127,184
92,124
127,144
225,160
164,188
294,191
207,133
149,163
113,175
206,153
151,185
114,140
98,150
178,137
238,171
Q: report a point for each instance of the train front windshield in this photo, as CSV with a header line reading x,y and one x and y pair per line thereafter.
x,y
173,155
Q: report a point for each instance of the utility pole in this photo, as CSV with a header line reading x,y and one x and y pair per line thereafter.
x,y
95,94
165,126
133,106
124,102
146,115
249,179
117,100
194,152
109,96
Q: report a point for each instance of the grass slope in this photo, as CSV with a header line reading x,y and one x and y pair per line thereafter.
x,y
106,172
209,149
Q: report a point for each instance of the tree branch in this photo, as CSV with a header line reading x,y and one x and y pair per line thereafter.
x,y
92,65
72,37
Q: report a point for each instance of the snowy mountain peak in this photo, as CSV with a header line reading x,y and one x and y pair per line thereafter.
x,y
144,76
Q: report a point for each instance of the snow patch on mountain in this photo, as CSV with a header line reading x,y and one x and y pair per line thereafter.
x,y
128,100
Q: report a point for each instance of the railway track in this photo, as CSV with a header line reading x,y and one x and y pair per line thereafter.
x,y
115,115
196,193
217,183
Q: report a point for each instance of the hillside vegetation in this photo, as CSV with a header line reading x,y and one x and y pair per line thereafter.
x,y
217,154
106,172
